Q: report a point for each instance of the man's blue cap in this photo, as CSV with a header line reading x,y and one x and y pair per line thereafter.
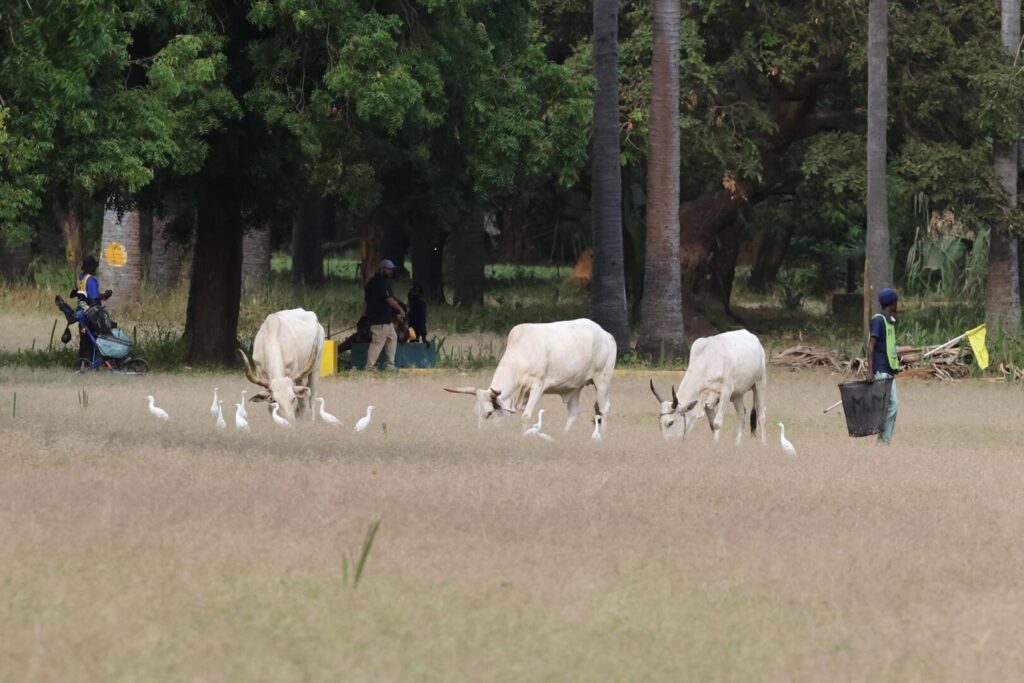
x,y
887,297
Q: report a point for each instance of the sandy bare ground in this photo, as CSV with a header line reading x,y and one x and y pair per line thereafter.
x,y
136,550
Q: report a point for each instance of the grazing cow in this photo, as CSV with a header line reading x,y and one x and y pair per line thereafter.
x,y
287,352
548,358
725,366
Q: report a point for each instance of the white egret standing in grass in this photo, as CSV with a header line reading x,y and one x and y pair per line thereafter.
x,y
327,417
535,429
787,447
240,421
159,412
220,424
364,422
277,417
241,407
214,407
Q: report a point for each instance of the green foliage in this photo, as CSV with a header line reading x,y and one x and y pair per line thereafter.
x,y
99,96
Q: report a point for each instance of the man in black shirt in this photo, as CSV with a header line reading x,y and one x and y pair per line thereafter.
x,y
380,309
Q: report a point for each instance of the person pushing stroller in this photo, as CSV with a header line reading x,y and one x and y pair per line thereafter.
x,y
88,294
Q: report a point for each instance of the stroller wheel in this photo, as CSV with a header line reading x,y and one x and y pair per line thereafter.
x,y
135,366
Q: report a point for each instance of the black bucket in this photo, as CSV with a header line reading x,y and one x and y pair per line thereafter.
x,y
865,405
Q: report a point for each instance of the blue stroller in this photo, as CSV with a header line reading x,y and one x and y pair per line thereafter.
x,y
111,346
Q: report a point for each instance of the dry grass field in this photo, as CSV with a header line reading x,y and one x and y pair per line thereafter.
x,y
136,550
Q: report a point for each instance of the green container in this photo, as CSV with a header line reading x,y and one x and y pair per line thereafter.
x,y
414,355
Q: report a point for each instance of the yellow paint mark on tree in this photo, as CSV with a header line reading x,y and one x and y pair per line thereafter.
x,y
115,254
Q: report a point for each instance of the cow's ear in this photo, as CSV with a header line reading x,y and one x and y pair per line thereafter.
x,y
689,407
260,396
302,392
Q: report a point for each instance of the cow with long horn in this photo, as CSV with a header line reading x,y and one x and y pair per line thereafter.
x,y
725,366
287,352
548,358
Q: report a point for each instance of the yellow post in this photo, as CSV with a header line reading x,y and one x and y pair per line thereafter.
x,y
329,362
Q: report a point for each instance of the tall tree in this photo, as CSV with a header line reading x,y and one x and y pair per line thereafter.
x,y
1002,295
877,259
661,332
608,283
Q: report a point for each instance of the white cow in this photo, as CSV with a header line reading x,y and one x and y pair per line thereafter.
x,y
727,365
287,352
548,358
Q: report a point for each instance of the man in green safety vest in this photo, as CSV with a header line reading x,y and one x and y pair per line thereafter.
x,y
883,363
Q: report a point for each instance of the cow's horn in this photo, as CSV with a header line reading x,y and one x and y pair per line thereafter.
x,y
675,400
655,392
249,374
306,370
494,392
462,390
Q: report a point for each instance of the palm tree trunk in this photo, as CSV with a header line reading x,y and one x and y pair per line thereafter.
x,y
255,259
165,256
661,334
1002,294
877,262
120,256
608,285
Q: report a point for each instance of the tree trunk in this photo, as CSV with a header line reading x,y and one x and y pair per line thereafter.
x,y
469,252
661,334
608,286
428,263
308,243
71,229
165,257
371,245
14,261
211,324
707,226
146,238
1002,294
877,261
120,257
770,252
255,260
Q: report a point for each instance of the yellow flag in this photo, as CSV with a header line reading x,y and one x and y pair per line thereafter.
x,y
977,339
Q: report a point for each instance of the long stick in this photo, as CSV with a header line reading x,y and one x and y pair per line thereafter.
x,y
943,347
834,405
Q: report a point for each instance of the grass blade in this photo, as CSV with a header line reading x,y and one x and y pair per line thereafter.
x,y
371,533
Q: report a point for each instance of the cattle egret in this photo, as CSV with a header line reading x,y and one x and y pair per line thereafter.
x,y
240,421
535,429
787,447
364,422
215,406
596,436
327,417
277,417
241,407
560,357
159,412
220,424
